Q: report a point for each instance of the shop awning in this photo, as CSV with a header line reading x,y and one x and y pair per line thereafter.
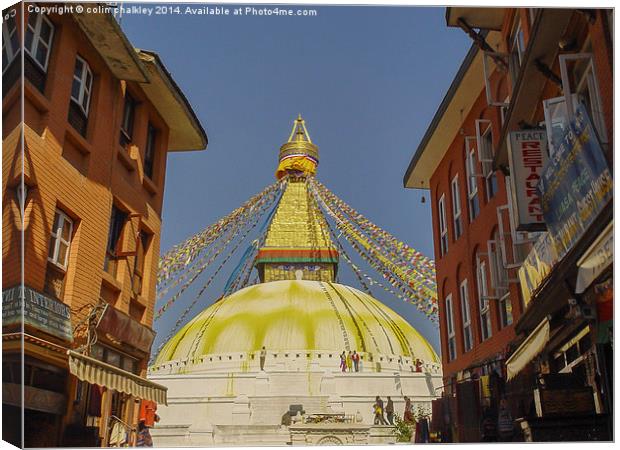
x,y
94,371
528,350
596,259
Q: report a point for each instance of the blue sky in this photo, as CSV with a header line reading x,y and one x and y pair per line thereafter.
x,y
368,81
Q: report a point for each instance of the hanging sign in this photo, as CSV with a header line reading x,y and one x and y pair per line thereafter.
x,y
575,184
537,266
528,155
39,311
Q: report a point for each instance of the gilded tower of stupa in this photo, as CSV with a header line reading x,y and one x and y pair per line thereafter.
x,y
298,246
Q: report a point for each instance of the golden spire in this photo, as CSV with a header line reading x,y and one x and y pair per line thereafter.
x,y
297,244
298,155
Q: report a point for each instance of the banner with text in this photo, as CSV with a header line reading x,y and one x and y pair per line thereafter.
x,y
575,184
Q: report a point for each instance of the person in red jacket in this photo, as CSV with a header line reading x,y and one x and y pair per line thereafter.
x,y
148,414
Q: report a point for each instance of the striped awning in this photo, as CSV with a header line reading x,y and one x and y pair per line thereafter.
x,y
527,351
94,371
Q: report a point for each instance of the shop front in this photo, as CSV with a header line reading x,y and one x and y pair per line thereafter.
x,y
469,397
69,398
110,391
34,357
564,354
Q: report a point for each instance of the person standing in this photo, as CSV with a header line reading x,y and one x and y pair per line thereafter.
x,y
505,426
349,362
263,357
389,410
408,414
343,362
144,436
356,360
378,409
380,403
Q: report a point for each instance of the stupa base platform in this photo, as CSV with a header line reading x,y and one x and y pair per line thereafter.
x,y
250,408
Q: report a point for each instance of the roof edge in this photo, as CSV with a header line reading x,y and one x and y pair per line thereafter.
x,y
180,96
443,106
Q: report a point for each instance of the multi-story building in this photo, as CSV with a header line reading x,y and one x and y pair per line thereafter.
x,y
506,299
83,184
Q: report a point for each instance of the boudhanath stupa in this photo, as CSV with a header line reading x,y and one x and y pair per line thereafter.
x,y
298,318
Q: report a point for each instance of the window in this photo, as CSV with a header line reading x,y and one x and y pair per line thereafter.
x,y
81,90
443,226
138,272
467,335
456,208
117,222
517,49
489,173
114,358
10,42
472,183
556,121
579,78
149,152
60,241
503,110
38,39
128,117
505,310
82,85
483,301
501,61
450,329
484,141
58,255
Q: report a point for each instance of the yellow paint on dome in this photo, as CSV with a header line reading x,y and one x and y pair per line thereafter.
x,y
300,316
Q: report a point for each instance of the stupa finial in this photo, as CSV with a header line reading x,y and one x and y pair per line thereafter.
x,y
299,131
298,155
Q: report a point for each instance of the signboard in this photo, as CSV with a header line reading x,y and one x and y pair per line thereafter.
x,y
527,151
575,184
40,311
537,266
125,329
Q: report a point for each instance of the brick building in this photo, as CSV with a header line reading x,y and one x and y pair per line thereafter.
x,y
511,92
85,193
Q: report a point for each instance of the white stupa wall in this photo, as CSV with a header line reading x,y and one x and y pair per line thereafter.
x,y
205,408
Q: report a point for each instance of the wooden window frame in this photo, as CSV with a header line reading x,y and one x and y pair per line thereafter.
x,y
589,81
7,42
456,207
472,182
466,316
450,328
443,225
56,239
36,39
150,150
483,301
128,119
83,89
